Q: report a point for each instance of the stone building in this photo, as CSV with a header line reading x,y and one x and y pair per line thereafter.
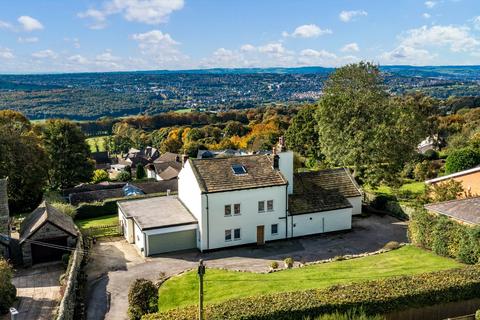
x,y
46,234
4,220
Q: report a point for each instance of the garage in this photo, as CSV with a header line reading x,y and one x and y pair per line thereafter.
x,y
158,225
171,241
46,253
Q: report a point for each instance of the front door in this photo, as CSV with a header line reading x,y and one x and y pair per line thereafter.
x,y
260,235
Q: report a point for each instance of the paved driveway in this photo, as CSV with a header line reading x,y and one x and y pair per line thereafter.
x,y
38,289
109,285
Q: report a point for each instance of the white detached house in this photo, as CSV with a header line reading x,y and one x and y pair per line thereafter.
x,y
224,202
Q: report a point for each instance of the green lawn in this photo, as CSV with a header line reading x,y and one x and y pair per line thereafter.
x,y
187,110
416,188
93,142
221,285
95,222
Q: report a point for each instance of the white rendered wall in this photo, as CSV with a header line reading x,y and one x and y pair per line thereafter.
x,y
139,239
127,226
286,168
356,202
249,218
320,222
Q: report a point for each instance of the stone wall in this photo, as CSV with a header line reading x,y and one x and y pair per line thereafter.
x,y
66,309
47,231
4,213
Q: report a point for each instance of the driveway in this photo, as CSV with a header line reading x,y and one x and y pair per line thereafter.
x,y
109,282
38,289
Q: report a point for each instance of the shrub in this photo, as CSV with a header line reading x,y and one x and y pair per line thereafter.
x,y
8,292
288,262
349,315
443,191
140,172
462,159
391,245
99,176
424,170
274,265
142,298
65,208
124,176
431,154
376,297
380,201
477,315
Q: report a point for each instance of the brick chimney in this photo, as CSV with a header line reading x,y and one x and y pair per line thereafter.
x,y
4,213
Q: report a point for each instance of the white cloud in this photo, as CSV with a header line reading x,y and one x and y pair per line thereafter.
x,y
430,4
347,16
44,54
27,40
458,38
144,11
426,15
405,54
248,48
107,56
272,48
350,47
5,25
323,58
6,53
154,37
476,22
30,24
307,31
78,59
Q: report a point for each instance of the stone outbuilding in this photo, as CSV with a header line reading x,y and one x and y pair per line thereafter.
x,y
46,234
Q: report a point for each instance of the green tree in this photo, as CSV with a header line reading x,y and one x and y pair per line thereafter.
x,y
8,292
68,153
359,125
99,175
443,191
140,172
462,159
234,128
142,298
22,160
302,135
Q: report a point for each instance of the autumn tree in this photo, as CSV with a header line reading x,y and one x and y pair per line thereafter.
x,y
361,126
68,153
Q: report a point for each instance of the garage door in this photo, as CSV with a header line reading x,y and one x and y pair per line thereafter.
x,y
173,241
42,253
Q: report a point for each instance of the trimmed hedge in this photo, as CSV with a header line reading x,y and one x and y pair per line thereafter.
x,y
374,297
445,236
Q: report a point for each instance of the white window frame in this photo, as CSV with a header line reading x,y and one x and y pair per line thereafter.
x,y
225,210
270,210
263,205
240,234
239,209
271,229
229,232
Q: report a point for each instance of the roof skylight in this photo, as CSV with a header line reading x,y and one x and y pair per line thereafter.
x,y
239,169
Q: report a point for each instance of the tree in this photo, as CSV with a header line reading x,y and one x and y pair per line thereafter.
x,y
302,135
462,159
444,191
359,125
68,153
124,176
99,175
142,298
234,128
140,172
22,160
8,292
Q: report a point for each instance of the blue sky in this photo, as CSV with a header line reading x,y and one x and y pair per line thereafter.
x,y
111,35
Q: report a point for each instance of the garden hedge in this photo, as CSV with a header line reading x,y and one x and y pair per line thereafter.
x,y
445,236
374,297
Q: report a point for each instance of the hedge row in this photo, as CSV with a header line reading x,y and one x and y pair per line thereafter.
x,y
107,207
374,297
444,236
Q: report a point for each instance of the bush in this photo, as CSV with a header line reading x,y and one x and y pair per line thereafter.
x,y
140,172
142,299
288,262
391,245
462,159
65,208
443,191
8,292
477,315
431,154
274,265
124,176
376,297
99,176
380,201
96,209
349,315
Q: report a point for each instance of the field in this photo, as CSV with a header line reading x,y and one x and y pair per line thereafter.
x,y
95,142
184,110
221,285
100,221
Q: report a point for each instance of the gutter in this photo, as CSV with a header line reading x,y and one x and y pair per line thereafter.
x,y
208,224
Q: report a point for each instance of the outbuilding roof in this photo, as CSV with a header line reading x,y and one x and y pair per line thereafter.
x,y
466,210
45,212
216,175
157,212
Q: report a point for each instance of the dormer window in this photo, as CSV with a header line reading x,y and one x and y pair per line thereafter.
x,y
239,169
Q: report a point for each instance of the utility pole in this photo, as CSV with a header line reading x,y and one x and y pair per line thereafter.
x,y
201,272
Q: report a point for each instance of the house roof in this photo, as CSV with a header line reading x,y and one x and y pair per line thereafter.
x,y
168,156
216,175
100,157
45,212
157,212
321,191
162,166
466,210
454,175
169,173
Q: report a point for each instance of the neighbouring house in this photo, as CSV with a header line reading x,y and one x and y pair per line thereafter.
x,y
4,221
465,211
429,143
208,154
143,157
163,170
224,202
169,157
102,160
46,234
470,180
